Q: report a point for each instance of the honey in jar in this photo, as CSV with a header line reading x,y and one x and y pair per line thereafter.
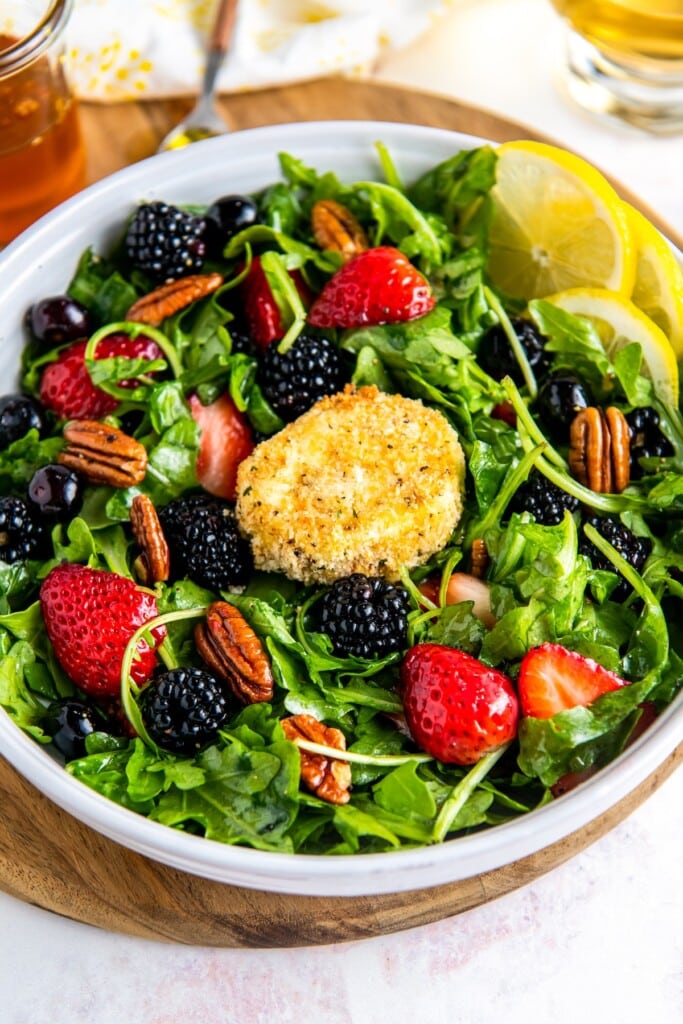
x,y
42,159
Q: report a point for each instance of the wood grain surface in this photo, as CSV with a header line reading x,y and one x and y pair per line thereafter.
x,y
51,860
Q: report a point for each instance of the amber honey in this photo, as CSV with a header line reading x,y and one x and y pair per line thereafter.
x,y
42,159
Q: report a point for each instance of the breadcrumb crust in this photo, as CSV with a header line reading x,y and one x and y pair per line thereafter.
x,y
362,482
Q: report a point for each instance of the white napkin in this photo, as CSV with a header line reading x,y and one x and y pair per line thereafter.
x,y
140,49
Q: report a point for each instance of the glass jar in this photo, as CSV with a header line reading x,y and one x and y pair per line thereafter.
x,y
42,158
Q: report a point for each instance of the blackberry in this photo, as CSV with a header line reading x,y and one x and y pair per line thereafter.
x,y
21,536
545,501
647,440
241,341
559,399
634,549
496,357
364,616
70,721
294,381
165,242
204,542
18,415
183,709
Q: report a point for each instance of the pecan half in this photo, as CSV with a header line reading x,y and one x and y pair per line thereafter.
x,y
103,454
336,228
327,777
599,449
171,297
234,653
155,560
479,558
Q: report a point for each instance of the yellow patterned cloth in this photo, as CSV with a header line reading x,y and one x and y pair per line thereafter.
x,y
132,49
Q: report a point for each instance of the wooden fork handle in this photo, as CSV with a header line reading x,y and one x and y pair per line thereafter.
x,y
223,26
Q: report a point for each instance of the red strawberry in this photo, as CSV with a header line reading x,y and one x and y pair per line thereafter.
x,y
457,708
261,311
66,387
90,615
226,439
553,679
378,286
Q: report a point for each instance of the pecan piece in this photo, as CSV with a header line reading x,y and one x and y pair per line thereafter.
x,y
479,558
336,228
155,560
327,777
103,454
171,297
234,653
599,449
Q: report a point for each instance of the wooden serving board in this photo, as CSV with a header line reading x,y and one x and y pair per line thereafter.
x,y
50,859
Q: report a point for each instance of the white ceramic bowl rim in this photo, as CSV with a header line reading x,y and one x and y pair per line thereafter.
x,y
41,262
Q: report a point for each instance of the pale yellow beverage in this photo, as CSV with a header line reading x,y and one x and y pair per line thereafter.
x,y
625,58
635,28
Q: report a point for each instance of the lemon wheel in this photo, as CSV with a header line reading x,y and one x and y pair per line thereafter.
x,y
658,287
618,321
557,224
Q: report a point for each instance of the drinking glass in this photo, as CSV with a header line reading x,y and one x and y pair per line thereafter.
x,y
625,59
42,158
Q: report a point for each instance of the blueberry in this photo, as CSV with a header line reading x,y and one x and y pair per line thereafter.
x,y
225,218
18,415
55,491
559,399
59,319
70,721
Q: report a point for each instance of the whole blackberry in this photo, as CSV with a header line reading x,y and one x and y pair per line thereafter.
x,y
183,709
294,381
165,242
18,415
495,353
364,616
634,549
21,536
545,501
647,440
559,399
204,542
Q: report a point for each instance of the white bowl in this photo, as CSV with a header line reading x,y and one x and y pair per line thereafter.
x,y
41,263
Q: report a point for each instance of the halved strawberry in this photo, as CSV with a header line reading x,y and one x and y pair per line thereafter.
x,y
90,615
261,311
463,587
457,708
378,286
553,679
66,387
225,440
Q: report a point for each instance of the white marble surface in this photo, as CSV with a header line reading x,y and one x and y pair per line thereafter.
x,y
599,938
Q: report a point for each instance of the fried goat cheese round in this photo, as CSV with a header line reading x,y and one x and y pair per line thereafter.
x,y
362,482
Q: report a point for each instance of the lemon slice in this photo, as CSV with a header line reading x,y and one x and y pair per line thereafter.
x,y
658,288
557,224
618,321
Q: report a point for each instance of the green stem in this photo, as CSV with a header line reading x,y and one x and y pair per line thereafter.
x,y
526,420
461,793
134,330
515,343
512,482
128,687
381,760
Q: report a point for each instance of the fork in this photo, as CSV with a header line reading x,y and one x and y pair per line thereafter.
x,y
204,121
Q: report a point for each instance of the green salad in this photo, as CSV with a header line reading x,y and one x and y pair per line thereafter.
x,y
560,592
